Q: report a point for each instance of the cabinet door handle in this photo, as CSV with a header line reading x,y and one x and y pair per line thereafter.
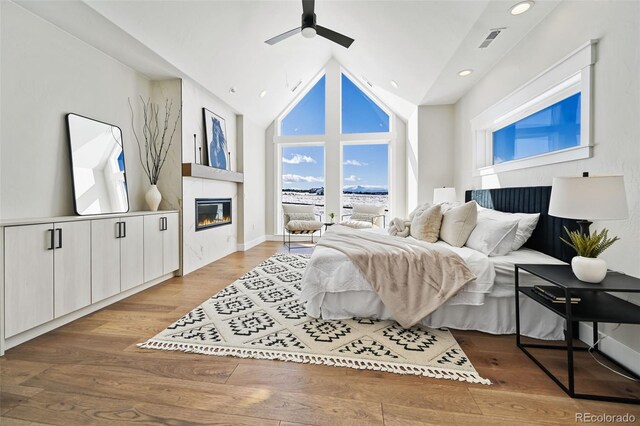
x,y
59,231
166,224
124,229
118,230
51,239
162,223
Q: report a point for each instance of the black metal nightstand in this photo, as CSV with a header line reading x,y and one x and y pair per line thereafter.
x,y
596,306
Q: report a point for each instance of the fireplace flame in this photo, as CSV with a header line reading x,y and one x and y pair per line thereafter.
x,y
207,221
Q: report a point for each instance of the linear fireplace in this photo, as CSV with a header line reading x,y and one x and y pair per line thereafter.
x,y
212,212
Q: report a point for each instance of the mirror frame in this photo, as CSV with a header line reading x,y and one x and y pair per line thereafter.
x,y
73,177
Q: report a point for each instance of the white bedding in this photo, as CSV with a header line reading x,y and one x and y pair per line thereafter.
x,y
334,288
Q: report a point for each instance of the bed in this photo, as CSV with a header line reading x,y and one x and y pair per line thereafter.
x,y
334,288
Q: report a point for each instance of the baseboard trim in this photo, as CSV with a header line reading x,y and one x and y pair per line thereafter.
x,y
249,245
58,322
610,346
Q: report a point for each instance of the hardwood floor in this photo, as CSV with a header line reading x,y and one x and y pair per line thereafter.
x,y
91,372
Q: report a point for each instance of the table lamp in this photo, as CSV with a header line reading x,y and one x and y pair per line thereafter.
x,y
444,195
588,198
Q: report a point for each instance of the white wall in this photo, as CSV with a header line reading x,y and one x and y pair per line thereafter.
x,y
251,157
616,113
46,73
435,149
203,247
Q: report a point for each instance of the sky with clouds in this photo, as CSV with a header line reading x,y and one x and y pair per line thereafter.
x,y
363,165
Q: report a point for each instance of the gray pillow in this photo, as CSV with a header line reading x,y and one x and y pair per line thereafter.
x,y
458,223
366,217
302,216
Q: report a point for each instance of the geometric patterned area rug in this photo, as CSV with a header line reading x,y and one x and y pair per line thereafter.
x,y
260,316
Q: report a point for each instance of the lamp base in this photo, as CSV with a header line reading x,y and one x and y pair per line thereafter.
x,y
584,227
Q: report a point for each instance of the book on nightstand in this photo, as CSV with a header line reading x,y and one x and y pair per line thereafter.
x,y
554,294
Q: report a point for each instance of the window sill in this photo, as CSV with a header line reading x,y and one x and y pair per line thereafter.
x,y
569,154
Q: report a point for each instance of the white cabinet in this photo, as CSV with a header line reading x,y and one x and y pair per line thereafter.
x,y
170,244
131,252
47,273
28,252
105,259
71,267
54,272
161,245
116,256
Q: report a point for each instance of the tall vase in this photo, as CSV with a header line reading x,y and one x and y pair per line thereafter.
x,y
153,198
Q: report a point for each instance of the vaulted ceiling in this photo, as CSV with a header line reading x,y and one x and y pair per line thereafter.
x,y
220,44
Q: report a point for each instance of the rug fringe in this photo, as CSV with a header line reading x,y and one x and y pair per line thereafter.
x,y
359,364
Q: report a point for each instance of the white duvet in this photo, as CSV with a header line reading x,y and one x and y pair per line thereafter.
x,y
330,273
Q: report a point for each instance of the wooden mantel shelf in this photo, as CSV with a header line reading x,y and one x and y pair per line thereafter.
x,y
206,172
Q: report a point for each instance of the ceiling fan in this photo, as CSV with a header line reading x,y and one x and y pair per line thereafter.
x,y
309,28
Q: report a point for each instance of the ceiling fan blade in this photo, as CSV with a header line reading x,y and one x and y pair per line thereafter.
x,y
334,36
308,6
283,36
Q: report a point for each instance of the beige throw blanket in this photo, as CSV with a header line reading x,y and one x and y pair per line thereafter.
x,y
412,278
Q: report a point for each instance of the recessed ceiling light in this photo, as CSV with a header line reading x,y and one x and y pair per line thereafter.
x,y
232,90
465,73
521,7
394,84
263,94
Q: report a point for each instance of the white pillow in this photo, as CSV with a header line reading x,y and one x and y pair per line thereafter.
x,y
301,216
457,224
493,237
367,217
526,223
425,225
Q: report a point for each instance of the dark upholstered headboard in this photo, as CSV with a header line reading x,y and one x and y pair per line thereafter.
x,y
533,199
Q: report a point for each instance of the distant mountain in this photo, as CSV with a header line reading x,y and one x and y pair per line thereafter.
x,y
359,189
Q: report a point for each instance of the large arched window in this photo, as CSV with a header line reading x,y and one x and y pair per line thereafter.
x,y
307,117
333,148
360,114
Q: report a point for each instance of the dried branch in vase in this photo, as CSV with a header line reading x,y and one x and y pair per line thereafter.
x,y
154,147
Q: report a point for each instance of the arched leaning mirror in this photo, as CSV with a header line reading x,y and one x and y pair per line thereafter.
x,y
97,164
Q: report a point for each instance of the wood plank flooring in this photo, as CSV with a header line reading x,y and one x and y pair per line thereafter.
x,y
90,372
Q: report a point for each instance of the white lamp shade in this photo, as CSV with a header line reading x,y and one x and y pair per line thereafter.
x,y
444,195
589,198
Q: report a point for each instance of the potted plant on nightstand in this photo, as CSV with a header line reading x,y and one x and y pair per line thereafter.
x,y
586,266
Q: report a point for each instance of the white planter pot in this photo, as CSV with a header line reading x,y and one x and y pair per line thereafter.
x,y
590,270
153,198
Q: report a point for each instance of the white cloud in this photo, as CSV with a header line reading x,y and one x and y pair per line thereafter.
x,y
297,178
355,163
352,178
297,159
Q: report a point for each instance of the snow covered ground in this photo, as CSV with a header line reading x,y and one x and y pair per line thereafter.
x,y
348,199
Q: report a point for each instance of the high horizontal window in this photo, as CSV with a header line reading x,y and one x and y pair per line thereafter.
x,y
360,114
308,116
554,128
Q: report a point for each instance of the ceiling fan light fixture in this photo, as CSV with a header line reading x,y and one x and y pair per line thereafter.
x,y
309,32
522,7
